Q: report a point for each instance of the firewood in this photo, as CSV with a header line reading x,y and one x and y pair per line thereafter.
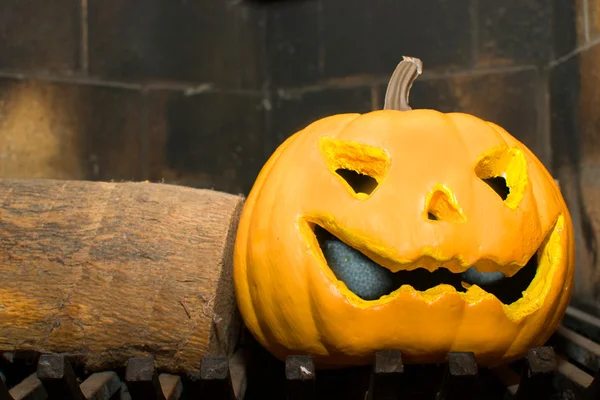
x,y
110,271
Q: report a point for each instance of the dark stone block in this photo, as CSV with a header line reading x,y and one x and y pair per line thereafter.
x,y
293,112
593,16
462,364
58,377
575,123
461,381
387,375
111,131
576,89
371,38
210,140
142,379
515,32
299,368
567,26
67,131
216,378
564,106
509,99
300,375
39,35
537,374
293,43
209,41
388,362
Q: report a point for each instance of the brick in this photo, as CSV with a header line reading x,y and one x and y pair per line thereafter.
x,y
360,39
590,190
574,84
568,26
65,131
40,35
581,16
112,129
209,41
208,140
293,112
580,78
293,43
509,99
593,17
564,111
515,32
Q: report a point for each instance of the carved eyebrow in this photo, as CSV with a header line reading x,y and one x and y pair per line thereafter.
x,y
504,170
361,167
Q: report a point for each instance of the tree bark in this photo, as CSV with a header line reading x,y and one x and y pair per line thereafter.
x,y
108,271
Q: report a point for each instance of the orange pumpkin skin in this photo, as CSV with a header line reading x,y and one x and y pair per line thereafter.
x,y
292,302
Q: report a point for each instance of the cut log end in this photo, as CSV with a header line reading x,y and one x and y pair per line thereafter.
x,y
110,271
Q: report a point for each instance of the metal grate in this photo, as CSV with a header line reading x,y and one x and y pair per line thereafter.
x,y
55,378
567,368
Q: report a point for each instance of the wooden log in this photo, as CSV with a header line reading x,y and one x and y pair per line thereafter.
x,y
111,271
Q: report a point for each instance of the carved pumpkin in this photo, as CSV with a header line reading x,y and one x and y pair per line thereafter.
x,y
403,229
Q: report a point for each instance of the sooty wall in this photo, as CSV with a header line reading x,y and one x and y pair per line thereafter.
x,y
200,93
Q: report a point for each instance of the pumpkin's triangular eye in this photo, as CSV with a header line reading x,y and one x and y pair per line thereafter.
x,y
504,170
359,166
360,183
499,185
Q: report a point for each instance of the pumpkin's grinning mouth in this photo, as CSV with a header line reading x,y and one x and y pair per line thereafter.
x,y
370,281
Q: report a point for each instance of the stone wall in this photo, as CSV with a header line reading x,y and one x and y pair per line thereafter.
x,y
200,93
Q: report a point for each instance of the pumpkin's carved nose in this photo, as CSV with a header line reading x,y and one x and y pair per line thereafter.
x,y
441,205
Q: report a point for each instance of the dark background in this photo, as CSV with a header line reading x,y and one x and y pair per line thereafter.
x,y
200,93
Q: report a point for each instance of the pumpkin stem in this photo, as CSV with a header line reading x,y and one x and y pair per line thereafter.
x,y
396,95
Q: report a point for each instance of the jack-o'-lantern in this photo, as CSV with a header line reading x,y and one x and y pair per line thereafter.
x,y
414,230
